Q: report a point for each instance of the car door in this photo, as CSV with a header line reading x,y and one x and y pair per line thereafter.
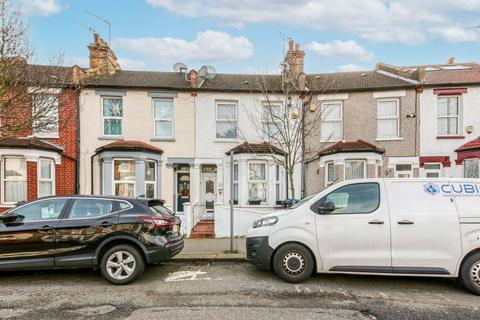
x,y
29,241
425,229
87,222
354,234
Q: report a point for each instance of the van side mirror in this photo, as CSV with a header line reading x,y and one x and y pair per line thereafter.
x,y
8,218
326,208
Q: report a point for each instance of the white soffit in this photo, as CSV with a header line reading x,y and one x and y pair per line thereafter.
x,y
338,96
390,94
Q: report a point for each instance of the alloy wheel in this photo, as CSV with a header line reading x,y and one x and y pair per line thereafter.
x,y
121,265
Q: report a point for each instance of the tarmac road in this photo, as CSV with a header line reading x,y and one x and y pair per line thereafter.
x,y
229,290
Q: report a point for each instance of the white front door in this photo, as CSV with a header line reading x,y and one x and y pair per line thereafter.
x,y
209,196
355,236
425,229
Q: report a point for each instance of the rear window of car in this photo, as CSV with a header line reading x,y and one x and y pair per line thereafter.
x,y
158,208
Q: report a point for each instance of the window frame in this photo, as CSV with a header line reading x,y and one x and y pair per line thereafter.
x,y
397,172
397,117
52,180
354,160
4,179
235,183
265,182
48,134
477,160
278,185
155,120
268,121
154,182
458,116
217,120
340,120
111,117
314,206
328,182
124,181
438,171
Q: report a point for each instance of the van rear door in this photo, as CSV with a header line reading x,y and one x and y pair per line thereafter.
x,y
425,229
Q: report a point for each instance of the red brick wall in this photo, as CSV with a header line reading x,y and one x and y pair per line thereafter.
x,y
32,181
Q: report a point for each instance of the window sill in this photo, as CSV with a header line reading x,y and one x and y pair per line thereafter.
x,y
330,141
47,136
226,140
111,138
7,205
450,137
389,139
163,139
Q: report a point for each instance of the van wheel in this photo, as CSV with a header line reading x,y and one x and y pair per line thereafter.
x,y
122,264
470,273
293,263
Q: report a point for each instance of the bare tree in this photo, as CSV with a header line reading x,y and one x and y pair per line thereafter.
x,y
285,116
29,94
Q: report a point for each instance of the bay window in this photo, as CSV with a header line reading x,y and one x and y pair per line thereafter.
x,y
257,182
46,177
354,169
163,118
235,184
112,111
226,119
471,168
388,119
14,180
331,122
278,197
329,173
124,177
150,179
448,117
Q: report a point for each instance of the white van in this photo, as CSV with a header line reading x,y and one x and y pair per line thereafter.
x,y
427,227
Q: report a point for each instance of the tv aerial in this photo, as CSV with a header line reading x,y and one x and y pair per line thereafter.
x,y
180,67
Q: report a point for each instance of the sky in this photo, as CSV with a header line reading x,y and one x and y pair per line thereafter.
x,y
248,36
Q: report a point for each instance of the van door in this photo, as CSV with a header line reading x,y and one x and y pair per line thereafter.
x,y
425,227
353,229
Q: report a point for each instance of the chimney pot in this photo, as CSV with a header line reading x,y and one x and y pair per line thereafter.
x,y
290,44
451,60
297,46
96,38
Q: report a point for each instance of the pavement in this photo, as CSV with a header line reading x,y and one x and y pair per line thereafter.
x,y
212,250
229,290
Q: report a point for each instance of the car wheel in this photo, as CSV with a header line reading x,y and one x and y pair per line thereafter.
x,y
293,263
122,264
470,273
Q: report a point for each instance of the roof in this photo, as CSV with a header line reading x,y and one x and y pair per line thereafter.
x,y
129,145
351,146
469,74
260,148
470,145
30,143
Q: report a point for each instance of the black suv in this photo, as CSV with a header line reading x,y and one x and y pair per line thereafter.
x,y
118,235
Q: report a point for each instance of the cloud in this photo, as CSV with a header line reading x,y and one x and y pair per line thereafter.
x,y
455,34
345,50
406,21
39,7
130,64
350,67
208,46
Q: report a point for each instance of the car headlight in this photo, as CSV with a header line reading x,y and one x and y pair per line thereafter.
x,y
269,221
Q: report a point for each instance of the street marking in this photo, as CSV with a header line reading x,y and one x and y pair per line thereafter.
x,y
188,276
300,289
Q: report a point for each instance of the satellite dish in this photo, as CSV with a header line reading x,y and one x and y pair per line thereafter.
x,y
207,72
180,67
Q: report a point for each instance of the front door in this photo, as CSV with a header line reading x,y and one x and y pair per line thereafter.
x,y
209,181
183,189
87,224
30,240
425,232
355,236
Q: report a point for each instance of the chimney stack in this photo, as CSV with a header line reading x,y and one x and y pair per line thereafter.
x,y
294,60
193,75
103,60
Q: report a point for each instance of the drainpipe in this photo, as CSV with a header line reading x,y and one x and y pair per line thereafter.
x,y
77,161
91,172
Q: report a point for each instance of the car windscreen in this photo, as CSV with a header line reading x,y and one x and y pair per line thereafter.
x,y
301,202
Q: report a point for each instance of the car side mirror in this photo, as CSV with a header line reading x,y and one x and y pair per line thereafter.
x,y
326,208
8,218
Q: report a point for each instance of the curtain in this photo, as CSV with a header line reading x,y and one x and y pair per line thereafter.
x,y
163,128
257,171
226,112
387,128
354,170
163,109
331,131
227,130
112,107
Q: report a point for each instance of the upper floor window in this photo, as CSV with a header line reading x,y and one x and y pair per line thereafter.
x,y
14,180
331,124
112,116
46,177
45,115
448,117
271,118
163,117
124,177
226,118
150,179
471,168
257,182
354,169
388,119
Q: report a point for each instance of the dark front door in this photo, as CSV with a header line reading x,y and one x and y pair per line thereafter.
x,y
87,223
183,189
29,241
